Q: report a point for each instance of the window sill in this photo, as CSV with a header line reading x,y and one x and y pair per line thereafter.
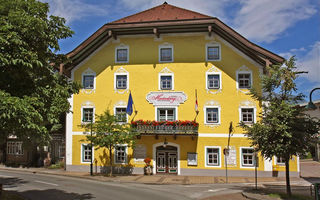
x,y
121,62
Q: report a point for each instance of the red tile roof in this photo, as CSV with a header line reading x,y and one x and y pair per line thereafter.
x,y
162,12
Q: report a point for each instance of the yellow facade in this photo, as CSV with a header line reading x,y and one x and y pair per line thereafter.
x,y
189,68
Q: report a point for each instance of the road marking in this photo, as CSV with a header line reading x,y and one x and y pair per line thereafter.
x,y
217,190
4,176
46,183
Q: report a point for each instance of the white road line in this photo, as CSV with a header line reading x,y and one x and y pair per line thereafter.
x,y
5,176
217,190
46,183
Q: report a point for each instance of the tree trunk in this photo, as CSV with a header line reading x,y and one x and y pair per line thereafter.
x,y
4,151
110,156
288,177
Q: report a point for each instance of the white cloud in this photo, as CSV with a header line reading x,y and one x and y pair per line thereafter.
x,y
73,10
311,63
265,20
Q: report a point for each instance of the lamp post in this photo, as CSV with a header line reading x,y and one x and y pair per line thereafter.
x,y
311,104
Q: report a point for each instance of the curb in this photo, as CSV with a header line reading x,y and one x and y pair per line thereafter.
x,y
245,195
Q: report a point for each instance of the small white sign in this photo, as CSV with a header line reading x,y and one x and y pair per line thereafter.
x,y
166,98
192,159
232,157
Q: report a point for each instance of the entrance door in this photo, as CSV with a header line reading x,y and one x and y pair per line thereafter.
x,y
167,161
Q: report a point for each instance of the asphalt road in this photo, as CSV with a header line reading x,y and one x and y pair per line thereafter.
x,y
49,187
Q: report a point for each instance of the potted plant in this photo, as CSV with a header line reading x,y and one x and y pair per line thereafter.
x,y
148,167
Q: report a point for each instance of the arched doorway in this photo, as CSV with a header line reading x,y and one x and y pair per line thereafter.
x,y
167,159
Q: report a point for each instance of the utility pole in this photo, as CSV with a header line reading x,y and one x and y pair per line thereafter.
x,y
226,151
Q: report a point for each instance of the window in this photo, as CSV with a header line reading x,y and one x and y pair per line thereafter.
x,y
213,156
247,157
121,114
213,81
244,80
87,114
86,152
120,154
247,115
165,54
14,148
166,114
212,115
61,151
88,81
166,82
121,81
122,55
213,53
280,161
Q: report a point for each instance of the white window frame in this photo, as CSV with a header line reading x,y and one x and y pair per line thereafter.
x,y
206,157
165,107
81,154
93,117
115,112
241,158
237,77
205,115
220,80
213,45
254,113
278,163
116,53
115,80
172,79
126,152
89,72
15,146
165,46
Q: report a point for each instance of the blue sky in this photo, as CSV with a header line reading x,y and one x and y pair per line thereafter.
x,y
285,27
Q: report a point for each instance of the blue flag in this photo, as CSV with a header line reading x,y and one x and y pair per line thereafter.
x,y
129,106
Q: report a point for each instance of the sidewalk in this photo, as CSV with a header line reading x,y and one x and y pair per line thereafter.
x,y
162,179
270,184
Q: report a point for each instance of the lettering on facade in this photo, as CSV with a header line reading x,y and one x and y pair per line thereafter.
x,y
166,98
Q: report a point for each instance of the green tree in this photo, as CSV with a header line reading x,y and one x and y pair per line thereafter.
x,y
33,95
284,130
108,133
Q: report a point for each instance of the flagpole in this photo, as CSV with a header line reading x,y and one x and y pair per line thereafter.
x,y
196,106
134,105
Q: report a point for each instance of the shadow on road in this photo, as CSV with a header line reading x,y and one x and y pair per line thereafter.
x,y
12,182
53,194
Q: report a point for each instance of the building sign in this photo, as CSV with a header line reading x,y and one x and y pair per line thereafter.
x,y
192,159
139,153
166,98
232,157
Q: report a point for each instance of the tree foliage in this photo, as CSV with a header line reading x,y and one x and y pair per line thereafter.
x,y
33,95
108,133
284,130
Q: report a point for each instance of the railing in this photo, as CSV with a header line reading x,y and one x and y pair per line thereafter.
x,y
167,129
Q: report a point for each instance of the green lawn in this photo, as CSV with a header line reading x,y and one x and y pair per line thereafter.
x,y
295,197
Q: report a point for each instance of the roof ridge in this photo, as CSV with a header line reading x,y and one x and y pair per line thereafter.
x,y
164,4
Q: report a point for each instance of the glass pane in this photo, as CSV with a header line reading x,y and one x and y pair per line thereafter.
x,y
213,53
165,54
122,54
88,81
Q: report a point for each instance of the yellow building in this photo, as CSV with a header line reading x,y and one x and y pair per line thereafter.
x,y
163,56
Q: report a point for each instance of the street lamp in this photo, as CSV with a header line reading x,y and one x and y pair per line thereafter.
x,y
91,162
311,104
